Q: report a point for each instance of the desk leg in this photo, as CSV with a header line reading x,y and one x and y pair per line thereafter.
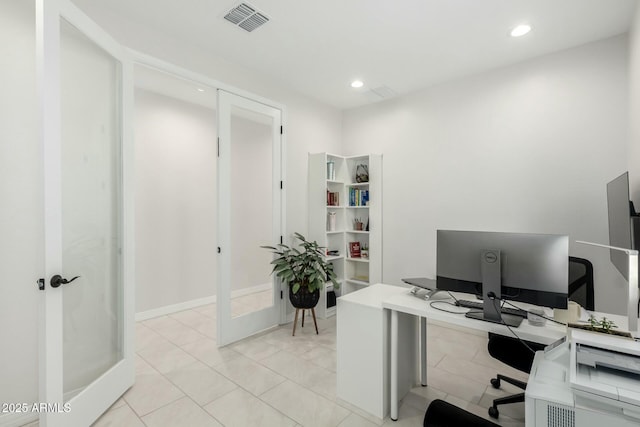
x,y
423,351
394,365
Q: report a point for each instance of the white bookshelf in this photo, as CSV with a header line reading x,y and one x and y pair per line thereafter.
x,y
352,273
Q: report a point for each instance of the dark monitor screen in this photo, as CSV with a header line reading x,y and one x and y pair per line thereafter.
x,y
533,268
619,221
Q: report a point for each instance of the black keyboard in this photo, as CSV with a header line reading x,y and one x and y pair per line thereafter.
x,y
478,306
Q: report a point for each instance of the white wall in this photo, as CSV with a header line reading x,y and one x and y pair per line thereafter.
x,y
175,201
21,227
525,148
634,109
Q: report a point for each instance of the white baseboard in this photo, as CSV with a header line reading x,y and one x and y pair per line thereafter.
x,y
251,290
174,308
16,420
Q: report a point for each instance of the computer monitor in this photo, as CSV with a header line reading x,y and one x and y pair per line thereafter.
x,y
530,268
623,222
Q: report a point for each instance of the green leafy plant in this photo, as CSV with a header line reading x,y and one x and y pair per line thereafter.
x,y
606,325
302,268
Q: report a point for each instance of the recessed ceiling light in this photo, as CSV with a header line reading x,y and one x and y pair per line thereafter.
x,y
356,84
200,89
520,30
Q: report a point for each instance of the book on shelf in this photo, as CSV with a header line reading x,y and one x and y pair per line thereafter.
x,y
354,249
358,197
333,198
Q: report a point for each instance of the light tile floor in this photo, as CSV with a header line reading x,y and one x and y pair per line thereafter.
x,y
252,302
274,379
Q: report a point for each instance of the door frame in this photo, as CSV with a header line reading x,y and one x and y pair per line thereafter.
x,y
140,58
89,404
232,329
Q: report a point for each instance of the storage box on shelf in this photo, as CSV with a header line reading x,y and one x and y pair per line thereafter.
x,y
345,206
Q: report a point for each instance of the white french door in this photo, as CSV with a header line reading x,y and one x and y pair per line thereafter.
x,y
86,324
250,215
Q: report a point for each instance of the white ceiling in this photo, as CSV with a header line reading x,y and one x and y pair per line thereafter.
x,y
319,47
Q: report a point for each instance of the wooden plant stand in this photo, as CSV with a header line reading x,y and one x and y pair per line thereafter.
x,y
295,320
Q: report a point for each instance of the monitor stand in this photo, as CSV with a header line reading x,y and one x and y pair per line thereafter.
x,y
505,319
491,285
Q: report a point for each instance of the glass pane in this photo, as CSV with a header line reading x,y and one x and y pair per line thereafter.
x,y
175,132
91,235
251,211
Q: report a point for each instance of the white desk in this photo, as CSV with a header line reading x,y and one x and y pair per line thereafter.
x,y
363,331
401,306
409,304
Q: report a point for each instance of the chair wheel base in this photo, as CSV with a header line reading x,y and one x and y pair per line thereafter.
x,y
495,382
493,412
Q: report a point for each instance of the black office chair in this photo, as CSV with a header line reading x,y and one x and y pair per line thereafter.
x,y
510,350
444,414
581,282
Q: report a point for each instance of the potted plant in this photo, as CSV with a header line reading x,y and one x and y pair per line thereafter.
x,y
305,271
364,251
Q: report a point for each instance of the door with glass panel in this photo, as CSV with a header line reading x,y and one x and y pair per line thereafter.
x,y
250,201
86,325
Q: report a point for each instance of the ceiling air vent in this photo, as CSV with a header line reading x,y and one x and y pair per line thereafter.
x,y
383,92
246,17
379,93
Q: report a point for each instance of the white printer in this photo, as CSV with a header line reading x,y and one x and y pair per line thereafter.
x,y
592,381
